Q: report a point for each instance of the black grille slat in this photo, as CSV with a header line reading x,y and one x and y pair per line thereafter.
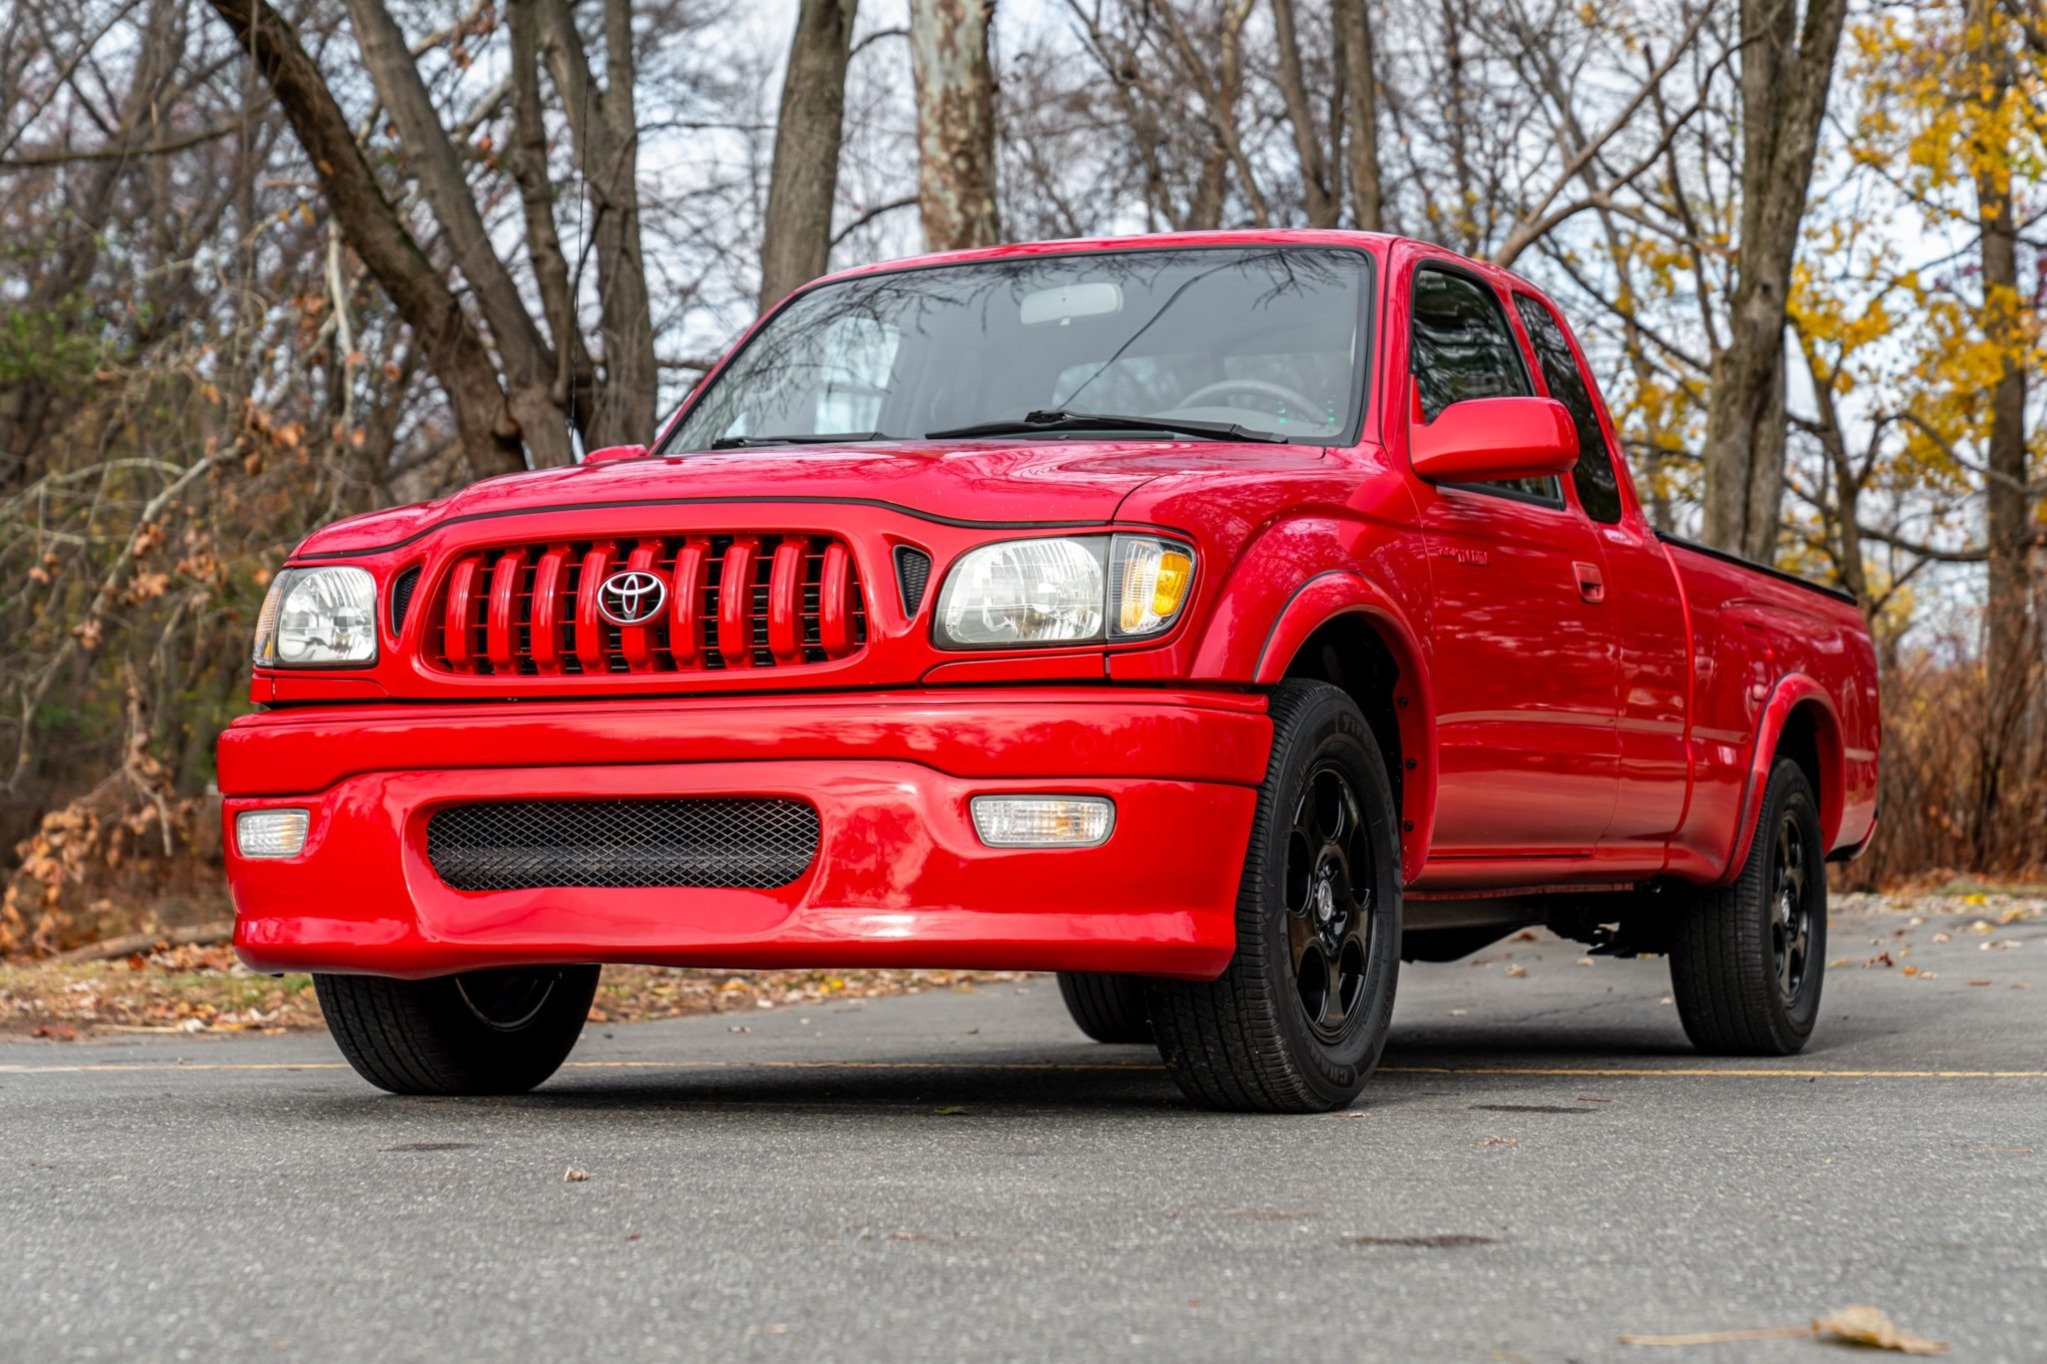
x,y
749,843
913,575
401,597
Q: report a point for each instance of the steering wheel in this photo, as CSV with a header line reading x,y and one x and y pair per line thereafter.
x,y
1264,388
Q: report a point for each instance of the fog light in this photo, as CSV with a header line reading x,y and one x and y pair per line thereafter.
x,y
1043,821
271,833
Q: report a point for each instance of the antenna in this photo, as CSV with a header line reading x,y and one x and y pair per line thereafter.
x,y
575,318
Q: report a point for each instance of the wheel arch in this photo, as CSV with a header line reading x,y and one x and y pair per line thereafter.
x,y
1798,722
1340,628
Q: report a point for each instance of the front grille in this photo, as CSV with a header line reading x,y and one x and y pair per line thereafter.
x,y
754,843
730,601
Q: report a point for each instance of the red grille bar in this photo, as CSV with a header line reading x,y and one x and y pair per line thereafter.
x,y
750,600
545,630
735,602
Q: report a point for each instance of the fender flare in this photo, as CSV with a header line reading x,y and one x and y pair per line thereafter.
x,y
1330,595
1791,692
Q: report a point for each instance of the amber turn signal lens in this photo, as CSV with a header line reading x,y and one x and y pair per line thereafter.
x,y
1151,579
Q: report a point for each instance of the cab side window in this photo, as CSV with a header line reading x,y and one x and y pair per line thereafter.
x,y
1461,347
1597,484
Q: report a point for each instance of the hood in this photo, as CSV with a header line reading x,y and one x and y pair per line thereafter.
x,y
1055,481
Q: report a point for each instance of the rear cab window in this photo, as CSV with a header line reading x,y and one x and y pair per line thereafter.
x,y
1597,485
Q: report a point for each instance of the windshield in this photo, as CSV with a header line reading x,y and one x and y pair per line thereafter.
x,y
1268,339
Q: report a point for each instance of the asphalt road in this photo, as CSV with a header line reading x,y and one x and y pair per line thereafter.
x,y
1541,1167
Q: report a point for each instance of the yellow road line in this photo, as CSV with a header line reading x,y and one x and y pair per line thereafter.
x,y
1717,1073
1570,1072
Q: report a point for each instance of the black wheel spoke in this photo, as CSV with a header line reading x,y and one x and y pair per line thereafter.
x,y
1328,899
1790,910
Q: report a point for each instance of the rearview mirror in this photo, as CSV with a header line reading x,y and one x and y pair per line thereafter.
x,y
1482,439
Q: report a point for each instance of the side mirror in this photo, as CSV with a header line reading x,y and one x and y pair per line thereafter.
x,y
612,452
1481,439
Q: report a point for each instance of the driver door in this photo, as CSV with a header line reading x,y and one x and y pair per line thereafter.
x,y
1521,642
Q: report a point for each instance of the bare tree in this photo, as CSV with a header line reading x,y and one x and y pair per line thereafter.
x,y
2009,644
1786,69
606,132
1321,194
955,122
454,351
796,241
528,361
1361,112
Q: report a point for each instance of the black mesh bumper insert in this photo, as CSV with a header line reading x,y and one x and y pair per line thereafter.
x,y
530,844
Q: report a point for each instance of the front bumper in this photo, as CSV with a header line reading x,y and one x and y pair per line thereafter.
x,y
900,877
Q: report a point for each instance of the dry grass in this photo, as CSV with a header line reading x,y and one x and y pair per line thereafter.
x,y
193,989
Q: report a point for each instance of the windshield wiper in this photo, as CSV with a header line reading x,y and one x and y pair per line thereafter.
x,y
1057,419
798,438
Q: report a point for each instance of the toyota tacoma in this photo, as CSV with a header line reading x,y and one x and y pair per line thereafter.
x,y
1217,620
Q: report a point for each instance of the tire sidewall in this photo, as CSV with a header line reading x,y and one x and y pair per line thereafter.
x,y
1791,794
1330,728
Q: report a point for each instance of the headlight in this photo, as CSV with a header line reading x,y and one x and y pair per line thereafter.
x,y
1064,590
318,618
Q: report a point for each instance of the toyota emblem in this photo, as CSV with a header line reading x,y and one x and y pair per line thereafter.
x,y
631,598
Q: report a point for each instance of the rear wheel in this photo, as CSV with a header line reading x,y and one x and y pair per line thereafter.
x,y
1747,959
1296,1023
480,1032
1108,1008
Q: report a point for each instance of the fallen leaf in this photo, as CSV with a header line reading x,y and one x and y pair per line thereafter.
x,y
1979,982
1517,970
1501,1141
951,1110
1861,1324
57,1032
574,1176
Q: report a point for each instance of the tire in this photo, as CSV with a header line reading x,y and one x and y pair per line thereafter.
x,y
1747,960
1296,1022
1108,1008
482,1032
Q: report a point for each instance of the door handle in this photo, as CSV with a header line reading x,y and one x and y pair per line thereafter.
x,y
1591,582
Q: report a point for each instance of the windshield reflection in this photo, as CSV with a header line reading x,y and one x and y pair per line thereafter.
x,y
1264,340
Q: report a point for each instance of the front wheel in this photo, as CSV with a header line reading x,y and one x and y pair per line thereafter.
x,y
1747,959
1296,1022
480,1032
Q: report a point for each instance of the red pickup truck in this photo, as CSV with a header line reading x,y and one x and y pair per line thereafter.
x,y
1217,620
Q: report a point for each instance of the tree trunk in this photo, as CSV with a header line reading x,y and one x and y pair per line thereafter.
x,y
528,363
2008,641
1785,74
804,183
491,438
1361,115
1318,195
575,385
606,131
955,122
